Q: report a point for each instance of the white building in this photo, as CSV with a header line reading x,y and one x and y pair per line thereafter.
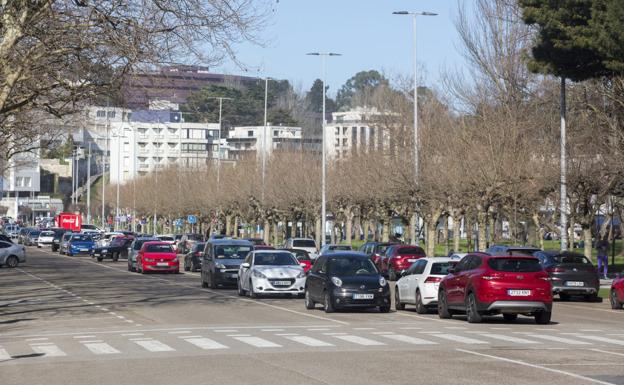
x,y
353,132
259,139
155,140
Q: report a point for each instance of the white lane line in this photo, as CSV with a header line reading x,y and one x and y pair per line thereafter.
x,y
603,339
189,336
590,330
410,328
141,339
286,334
101,348
238,335
335,334
517,362
4,355
120,317
309,341
558,339
508,338
205,343
132,334
360,340
317,329
272,330
226,331
500,328
41,344
381,333
455,327
456,338
90,341
258,342
180,332
36,339
48,350
608,352
154,346
363,328
408,339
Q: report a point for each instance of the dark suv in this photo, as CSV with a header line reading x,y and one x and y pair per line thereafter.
x,y
570,274
221,260
482,284
511,250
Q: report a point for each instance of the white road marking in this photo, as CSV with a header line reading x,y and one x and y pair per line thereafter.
x,y
132,334
608,352
226,331
590,330
238,335
360,340
154,346
335,334
455,327
286,334
517,362
189,336
48,350
180,332
36,339
101,348
408,339
508,338
272,330
362,329
603,339
4,355
456,338
120,317
309,341
91,341
558,339
381,333
205,343
258,342
317,329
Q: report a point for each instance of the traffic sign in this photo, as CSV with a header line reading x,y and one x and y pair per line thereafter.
x,y
192,219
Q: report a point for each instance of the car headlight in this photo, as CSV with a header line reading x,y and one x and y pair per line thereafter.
x,y
258,274
301,274
382,281
336,281
219,266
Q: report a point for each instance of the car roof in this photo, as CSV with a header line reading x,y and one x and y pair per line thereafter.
x,y
510,256
272,251
156,242
437,259
350,254
146,239
507,247
230,241
552,253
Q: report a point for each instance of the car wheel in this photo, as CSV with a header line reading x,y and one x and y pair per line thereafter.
x,y
543,317
564,296
100,259
240,290
115,257
615,303
510,317
252,293
392,275
329,306
397,300
591,297
420,307
443,310
309,303
212,284
472,314
204,283
186,266
384,308
12,261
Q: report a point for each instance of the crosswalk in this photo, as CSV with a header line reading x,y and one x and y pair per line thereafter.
x,y
277,339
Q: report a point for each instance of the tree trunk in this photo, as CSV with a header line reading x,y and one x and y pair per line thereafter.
x,y
275,234
587,237
412,228
430,227
456,233
570,231
481,223
385,236
293,229
539,230
349,229
236,223
468,228
491,231
266,235
317,227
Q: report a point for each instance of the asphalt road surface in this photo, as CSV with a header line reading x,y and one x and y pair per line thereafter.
x,y
71,320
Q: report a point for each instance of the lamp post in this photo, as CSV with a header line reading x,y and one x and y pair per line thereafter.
x,y
264,136
89,185
323,56
221,99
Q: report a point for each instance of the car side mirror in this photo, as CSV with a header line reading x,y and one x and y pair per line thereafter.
x,y
245,265
452,270
403,273
302,264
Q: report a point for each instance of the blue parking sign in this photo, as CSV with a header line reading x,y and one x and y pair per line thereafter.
x,y
192,219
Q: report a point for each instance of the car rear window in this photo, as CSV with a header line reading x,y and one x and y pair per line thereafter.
x,y
340,247
304,243
410,251
515,265
163,248
46,233
441,268
571,259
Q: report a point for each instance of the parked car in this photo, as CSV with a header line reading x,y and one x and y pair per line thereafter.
x,y
398,258
6,238
303,257
616,294
306,244
46,238
65,242
106,238
511,250
270,272
118,247
263,247
58,234
134,248
570,274
482,284
256,241
32,237
376,250
419,284
157,256
12,230
193,259
21,236
346,280
80,244
11,254
221,260
457,256
90,228
187,241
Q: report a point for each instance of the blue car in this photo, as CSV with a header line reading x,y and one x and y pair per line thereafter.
x,y
80,244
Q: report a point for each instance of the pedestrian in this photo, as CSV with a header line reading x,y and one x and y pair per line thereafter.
x,y
603,260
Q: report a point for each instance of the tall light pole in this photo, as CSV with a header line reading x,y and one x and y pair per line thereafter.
x,y
221,99
264,136
89,185
106,150
323,56
563,195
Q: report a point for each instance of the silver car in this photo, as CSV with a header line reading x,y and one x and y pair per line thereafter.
x,y
133,250
11,254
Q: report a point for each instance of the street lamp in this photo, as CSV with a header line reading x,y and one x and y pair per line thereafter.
x,y
264,135
221,99
323,56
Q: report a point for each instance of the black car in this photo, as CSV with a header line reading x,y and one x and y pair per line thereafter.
x,y
5,238
221,260
193,259
346,280
118,247
570,274
511,250
58,235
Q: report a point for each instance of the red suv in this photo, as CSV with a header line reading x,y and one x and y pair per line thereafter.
x,y
616,295
482,284
398,258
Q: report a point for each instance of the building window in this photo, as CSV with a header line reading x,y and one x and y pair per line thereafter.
x,y
247,146
275,133
250,134
126,147
100,113
193,147
337,131
344,130
111,114
344,142
337,142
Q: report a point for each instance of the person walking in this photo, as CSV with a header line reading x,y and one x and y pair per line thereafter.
x,y
602,246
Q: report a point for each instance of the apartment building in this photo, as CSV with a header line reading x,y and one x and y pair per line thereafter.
x,y
354,131
259,139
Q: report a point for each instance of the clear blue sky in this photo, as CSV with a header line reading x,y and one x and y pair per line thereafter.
x,y
364,31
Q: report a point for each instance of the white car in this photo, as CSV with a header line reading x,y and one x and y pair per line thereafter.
x,y
419,284
271,272
306,244
46,238
106,239
90,229
11,254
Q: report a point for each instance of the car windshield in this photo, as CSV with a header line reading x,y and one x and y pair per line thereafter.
x,y
340,247
81,238
519,252
34,233
274,259
441,268
515,265
47,234
381,248
231,251
304,243
410,251
301,255
571,259
117,242
199,246
345,266
159,248
139,244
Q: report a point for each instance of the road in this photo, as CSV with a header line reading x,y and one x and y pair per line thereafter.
x,y
71,320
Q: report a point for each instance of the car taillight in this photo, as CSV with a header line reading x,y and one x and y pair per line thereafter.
x,y
555,270
433,279
197,253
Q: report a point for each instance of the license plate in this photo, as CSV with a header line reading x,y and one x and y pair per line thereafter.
x,y
574,283
411,260
233,275
104,251
281,283
162,264
519,293
84,249
363,296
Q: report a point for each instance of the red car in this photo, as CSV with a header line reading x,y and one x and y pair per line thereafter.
x,y
616,296
482,284
376,250
303,257
157,256
398,258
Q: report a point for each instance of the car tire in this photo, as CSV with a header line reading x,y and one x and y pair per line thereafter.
x,y
212,284
443,310
564,296
309,302
591,297
329,306
615,303
392,276
252,293
12,261
420,307
397,300
100,259
510,317
239,289
186,266
543,317
115,257
384,308
472,313
204,284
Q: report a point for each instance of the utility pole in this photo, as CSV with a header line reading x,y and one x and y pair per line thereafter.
x,y
89,185
221,99
563,195
264,136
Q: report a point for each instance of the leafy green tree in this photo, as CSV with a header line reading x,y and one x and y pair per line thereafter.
x,y
608,25
314,98
361,84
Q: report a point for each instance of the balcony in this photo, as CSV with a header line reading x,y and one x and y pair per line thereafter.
x,y
159,166
143,166
143,136
143,151
159,136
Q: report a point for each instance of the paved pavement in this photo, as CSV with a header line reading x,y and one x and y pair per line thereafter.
x,y
71,320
